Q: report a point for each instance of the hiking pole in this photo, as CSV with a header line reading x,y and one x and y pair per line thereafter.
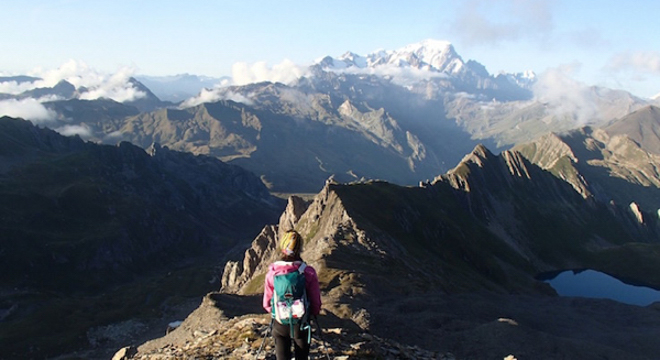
x,y
263,340
325,346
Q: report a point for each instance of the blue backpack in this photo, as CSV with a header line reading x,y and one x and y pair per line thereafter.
x,y
290,303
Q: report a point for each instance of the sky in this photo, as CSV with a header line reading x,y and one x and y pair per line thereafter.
x,y
605,43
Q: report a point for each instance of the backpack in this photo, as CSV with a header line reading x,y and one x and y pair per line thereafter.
x,y
290,303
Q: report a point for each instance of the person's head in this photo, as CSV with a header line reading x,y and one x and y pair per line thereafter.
x,y
291,245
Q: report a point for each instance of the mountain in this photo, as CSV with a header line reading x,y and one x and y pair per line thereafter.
x,y
84,225
148,101
180,87
610,168
19,79
401,115
63,90
129,91
409,113
96,120
295,145
450,266
442,65
642,126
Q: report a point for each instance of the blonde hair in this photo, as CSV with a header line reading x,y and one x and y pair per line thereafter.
x,y
291,244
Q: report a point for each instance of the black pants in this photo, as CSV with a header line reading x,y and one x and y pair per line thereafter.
x,y
283,339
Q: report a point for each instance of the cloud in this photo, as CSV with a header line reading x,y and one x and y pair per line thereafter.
x,y
491,22
243,74
404,76
213,95
565,95
640,61
285,72
14,88
114,136
29,109
96,84
71,130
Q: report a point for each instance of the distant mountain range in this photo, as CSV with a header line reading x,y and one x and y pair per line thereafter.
x,y
438,60
401,115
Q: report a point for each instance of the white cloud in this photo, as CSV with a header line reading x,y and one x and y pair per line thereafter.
x,y
29,109
243,74
70,130
403,76
565,95
97,84
114,136
213,95
14,88
285,72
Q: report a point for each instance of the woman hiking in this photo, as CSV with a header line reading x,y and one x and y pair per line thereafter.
x,y
293,330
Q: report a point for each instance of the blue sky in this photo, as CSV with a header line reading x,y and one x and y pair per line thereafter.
x,y
607,43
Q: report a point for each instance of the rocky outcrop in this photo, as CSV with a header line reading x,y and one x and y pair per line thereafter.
x,y
262,252
237,273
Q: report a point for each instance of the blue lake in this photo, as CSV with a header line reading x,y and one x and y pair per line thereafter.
x,y
595,284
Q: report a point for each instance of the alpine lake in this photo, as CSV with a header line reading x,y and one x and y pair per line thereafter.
x,y
594,284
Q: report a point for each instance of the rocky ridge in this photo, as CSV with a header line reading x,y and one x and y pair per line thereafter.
x,y
456,257
602,164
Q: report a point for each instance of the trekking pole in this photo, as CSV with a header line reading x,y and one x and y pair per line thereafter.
x,y
325,346
263,340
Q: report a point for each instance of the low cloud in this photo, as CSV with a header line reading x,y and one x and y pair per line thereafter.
x,y
243,74
213,95
490,22
97,84
565,95
285,72
404,76
28,109
71,130
113,137
14,88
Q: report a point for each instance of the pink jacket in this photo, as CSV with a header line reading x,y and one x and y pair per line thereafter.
x,y
285,267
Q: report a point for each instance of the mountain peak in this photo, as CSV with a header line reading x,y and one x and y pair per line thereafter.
x,y
429,54
429,48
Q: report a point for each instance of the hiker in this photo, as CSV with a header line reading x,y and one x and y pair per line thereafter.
x,y
297,330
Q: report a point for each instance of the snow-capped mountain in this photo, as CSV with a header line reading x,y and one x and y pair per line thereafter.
x,y
432,55
433,61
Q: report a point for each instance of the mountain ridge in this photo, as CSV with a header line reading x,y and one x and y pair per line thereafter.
x,y
473,236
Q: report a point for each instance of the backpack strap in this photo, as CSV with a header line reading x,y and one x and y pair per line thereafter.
x,y
302,267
